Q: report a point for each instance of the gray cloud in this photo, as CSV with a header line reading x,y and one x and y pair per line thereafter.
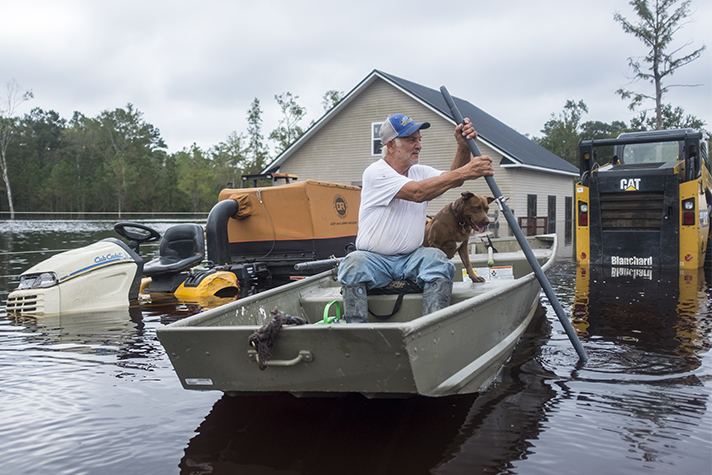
x,y
193,70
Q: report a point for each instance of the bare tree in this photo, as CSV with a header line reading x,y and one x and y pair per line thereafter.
x,y
8,121
656,28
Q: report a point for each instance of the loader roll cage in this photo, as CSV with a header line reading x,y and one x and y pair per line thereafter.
x,y
651,148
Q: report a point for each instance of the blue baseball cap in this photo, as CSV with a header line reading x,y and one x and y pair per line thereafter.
x,y
400,125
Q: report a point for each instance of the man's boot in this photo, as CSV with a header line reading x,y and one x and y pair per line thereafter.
x,y
436,295
355,303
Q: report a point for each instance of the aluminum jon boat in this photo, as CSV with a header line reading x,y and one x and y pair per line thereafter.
x,y
457,350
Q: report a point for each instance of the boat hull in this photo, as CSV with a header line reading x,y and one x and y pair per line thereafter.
x,y
457,350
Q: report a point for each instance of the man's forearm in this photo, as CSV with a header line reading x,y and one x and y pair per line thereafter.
x,y
462,156
431,188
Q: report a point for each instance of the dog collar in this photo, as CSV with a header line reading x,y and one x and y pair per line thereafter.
x,y
457,217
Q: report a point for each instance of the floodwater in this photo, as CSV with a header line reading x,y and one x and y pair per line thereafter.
x,y
96,394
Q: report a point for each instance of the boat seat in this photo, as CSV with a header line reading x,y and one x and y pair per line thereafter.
x,y
314,302
182,247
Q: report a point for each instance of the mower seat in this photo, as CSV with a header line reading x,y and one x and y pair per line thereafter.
x,y
182,247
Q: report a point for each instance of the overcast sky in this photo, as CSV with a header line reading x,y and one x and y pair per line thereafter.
x,y
193,68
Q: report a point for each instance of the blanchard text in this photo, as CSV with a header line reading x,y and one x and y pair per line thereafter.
x,y
631,261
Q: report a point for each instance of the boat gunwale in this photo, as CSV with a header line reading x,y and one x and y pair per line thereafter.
x,y
408,327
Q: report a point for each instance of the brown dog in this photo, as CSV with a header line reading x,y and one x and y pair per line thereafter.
x,y
450,229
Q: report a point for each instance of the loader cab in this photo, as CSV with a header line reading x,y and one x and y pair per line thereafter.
x,y
686,150
639,154
651,148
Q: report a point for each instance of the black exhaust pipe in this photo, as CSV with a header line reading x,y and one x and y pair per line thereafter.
x,y
216,231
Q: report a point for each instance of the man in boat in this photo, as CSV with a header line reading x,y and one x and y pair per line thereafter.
x,y
392,217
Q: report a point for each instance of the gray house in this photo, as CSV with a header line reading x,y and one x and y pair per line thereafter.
x,y
343,142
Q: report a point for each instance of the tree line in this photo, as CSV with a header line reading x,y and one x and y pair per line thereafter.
x,y
117,162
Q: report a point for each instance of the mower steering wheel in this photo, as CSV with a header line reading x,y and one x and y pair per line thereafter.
x,y
137,237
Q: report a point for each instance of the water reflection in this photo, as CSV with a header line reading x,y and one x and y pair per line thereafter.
x,y
78,392
118,335
499,426
459,434
647,332
659,313
283,434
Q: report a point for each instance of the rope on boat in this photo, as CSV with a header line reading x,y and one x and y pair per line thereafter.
x,y
264,338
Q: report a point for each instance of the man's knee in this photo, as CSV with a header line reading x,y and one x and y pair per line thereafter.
x,y
431,256
434,264
352,268
432,253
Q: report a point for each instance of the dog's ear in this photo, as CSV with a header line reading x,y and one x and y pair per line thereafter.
x,y
490,199
466,195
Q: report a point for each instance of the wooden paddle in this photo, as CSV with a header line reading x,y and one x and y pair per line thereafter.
x,y
520,237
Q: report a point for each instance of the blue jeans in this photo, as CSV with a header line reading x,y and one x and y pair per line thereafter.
x,y
423,265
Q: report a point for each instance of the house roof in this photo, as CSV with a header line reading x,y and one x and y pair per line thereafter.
x,y
518,151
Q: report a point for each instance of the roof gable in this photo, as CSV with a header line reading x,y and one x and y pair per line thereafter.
x,y
515,147
511,143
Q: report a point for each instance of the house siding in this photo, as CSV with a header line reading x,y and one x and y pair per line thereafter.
x,y
341,150
543,185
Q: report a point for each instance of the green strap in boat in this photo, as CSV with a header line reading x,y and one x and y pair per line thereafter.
x,y
331,319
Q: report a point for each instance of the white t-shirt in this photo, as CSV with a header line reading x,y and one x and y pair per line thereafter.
x,y
387,225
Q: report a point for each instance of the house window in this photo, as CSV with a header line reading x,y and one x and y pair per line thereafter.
x,y
375,138
531,206
552,214
531,225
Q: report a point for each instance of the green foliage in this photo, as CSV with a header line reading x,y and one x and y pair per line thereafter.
x,y
116,161
672,118
600,130
230,159
35,149
331,98
195,178
127,145
257,150
61,186
79,141
288,130
562,132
